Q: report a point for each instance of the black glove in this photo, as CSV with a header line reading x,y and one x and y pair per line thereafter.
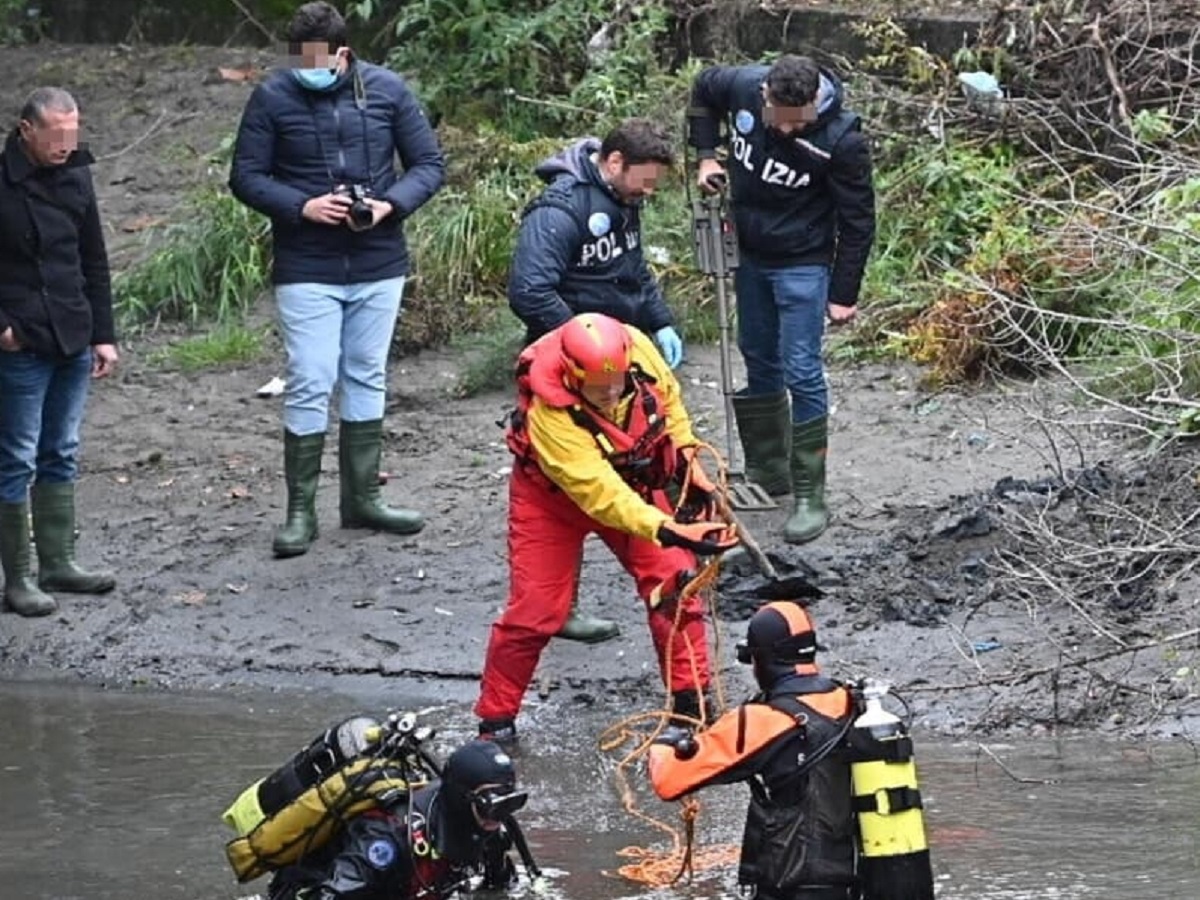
x,y
697,505
699,500
498,868
499,873
702,538
680,739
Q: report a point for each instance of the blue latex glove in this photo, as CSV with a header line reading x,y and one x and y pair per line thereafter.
x,y
670,344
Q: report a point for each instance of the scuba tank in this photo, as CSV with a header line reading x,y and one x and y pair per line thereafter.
x,y
329,752
894,862
356,765
325,755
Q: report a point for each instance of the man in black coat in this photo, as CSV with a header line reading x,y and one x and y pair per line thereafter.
x,y
56,333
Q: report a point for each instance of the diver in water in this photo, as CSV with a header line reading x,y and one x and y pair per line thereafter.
x,y
429,844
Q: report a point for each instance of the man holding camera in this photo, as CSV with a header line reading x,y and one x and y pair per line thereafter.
x,y
316,152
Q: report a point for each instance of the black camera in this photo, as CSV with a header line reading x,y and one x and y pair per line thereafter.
x,y
361,215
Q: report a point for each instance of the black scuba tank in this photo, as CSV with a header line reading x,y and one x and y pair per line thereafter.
x,y
328,753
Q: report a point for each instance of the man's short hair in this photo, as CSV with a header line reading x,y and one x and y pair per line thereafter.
x,y
639,141
793,81
314,22
44,98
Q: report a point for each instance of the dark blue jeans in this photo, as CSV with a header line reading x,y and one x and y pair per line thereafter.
x,y
781,321
41,409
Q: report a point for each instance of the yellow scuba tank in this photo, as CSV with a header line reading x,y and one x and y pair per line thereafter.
x,y
327,753
894,862
298,807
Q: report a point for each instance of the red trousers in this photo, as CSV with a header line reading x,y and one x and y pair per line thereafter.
x,y
546,531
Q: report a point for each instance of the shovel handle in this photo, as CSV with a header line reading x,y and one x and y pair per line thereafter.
x,y
747,539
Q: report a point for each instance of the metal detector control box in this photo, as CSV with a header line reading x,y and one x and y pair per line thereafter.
x,y
714,237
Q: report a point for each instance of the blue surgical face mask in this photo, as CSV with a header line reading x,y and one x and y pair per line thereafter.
x,y
320,79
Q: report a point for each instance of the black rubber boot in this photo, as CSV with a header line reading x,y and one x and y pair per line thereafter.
x,y
362,505
54,535
810,443
692,704
21,593
764,423
498,731
301,472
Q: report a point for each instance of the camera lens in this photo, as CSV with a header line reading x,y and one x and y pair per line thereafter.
x,y
360,214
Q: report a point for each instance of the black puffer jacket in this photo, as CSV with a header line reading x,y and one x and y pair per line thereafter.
x,y
804,199
580,250
55,290
294,144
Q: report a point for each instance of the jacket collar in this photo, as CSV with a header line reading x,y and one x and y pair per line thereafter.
x,y
18,166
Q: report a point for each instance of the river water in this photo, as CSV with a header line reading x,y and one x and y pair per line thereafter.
x,y
117,796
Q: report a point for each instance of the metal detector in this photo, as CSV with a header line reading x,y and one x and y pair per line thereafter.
x,y
717,255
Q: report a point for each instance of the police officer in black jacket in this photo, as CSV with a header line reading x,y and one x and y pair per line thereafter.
x,y
799,172
579,250
56,333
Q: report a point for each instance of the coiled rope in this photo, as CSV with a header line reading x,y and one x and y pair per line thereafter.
x,y
659,867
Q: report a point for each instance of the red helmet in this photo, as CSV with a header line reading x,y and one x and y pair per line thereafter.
x,y
595,347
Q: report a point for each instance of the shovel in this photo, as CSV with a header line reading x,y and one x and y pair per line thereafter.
x,y
717,255
793,587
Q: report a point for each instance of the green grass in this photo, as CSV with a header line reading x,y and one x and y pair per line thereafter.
x,y
489,356
227,345
212,265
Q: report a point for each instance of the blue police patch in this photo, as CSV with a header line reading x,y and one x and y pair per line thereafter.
x,y
743,121
599,224
381,854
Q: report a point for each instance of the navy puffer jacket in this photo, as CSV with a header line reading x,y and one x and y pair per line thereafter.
x,y
580,250
295,143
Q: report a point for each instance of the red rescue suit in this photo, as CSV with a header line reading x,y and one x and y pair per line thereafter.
x,y
575,473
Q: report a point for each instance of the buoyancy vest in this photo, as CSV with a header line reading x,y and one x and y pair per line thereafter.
x,y
312,818
640,450
800,822
432,874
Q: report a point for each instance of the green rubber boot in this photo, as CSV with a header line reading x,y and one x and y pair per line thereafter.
x,y
301,473
54,535
764,423
362,505
21,593
810,443
587,629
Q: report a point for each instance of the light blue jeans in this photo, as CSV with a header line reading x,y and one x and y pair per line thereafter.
x,y
336,334
41,409
781,321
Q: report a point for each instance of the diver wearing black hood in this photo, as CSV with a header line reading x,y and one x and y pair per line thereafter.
x,y
787,743
425,844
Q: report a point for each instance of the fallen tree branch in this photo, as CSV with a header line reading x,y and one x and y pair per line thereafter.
x,y
158,123
253,21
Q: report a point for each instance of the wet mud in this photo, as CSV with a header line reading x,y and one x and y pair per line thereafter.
x,y
182,486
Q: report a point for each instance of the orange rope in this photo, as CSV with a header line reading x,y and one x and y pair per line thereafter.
x,y
658,868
